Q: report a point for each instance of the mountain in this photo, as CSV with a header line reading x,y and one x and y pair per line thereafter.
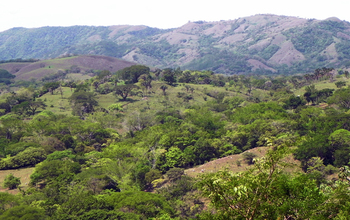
x,y
256,44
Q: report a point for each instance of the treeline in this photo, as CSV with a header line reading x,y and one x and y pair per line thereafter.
x,y
19,60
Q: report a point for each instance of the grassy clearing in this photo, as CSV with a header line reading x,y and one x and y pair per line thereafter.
x,y
325,84
57,103
236,163
23,174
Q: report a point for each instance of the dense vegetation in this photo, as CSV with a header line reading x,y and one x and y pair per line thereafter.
x,y
121,146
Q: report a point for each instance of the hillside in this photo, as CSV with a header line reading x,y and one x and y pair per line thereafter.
x,y
140,144
259,44
85,63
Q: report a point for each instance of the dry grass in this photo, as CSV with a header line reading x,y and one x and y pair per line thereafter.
x,y
40,69
231,163
23,174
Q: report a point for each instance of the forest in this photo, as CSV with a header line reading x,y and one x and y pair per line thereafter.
x,y
136,144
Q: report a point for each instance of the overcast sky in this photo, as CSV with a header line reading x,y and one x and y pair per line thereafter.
x,y
157,13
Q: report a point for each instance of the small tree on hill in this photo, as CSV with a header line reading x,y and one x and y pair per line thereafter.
x,y
340,84
125,90
11,181
163,88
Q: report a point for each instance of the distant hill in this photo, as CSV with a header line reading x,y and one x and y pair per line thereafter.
x,y
256,44
84,64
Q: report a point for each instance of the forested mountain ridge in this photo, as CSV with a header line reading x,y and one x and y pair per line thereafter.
x,y
258,44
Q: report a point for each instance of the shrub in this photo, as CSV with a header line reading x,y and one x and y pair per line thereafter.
x,y
11,181
175,173
329,169
249,157
28,157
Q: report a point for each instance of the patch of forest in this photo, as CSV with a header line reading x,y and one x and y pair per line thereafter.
x,y
122,146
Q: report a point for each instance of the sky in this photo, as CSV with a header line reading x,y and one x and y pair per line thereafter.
x,y
157,13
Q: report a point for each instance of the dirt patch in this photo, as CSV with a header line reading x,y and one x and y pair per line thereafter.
x,y
124,28
259,65
279,39
287,54
190,27
41,69
342,35
233,38
190,55
13,67
231,163
261,44
218,29
23,174
178,38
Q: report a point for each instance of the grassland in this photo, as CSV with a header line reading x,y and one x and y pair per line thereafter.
x,y
23,174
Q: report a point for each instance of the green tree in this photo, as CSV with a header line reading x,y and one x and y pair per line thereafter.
x,y
125,90
29,107
340,141
6,76
341,97
83,103
169,76
293,102
50,87
163,88
131,74
24,212
340,84
262,192
11,181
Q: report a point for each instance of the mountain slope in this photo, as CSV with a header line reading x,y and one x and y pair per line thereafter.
x,y
259,44
85,63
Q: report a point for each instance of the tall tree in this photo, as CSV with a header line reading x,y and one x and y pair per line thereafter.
x,y
125,90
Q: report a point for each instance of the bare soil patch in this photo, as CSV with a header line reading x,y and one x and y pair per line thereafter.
x,y
23,174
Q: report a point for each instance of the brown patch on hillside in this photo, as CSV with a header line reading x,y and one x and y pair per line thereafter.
x,y
331,53
13,67
233,38
178,38
333,19
219,29
259,65
286,23
287,54
342,35
41,69
262,44
279,39
190,28
94,38
190,55
100,63
230,162
124,29
241,28
23,174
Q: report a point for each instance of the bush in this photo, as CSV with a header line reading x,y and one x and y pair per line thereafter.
x,y
11,181
249,157
175,173
28,157
329,169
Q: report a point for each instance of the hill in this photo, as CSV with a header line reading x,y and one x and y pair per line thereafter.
x,y
256,44
82,64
